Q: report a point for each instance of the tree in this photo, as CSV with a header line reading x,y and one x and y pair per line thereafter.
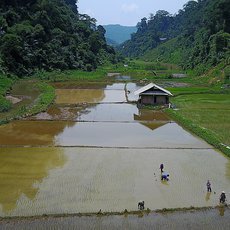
x,y
196,37
72,4
142,26
49,34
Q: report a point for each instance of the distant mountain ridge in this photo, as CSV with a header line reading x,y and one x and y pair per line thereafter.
x,y
118,33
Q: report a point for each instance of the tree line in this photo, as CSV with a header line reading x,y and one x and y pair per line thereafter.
x,y
49,34
198,35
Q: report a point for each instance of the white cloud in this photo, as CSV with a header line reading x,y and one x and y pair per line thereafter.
x,y
88,11
127,8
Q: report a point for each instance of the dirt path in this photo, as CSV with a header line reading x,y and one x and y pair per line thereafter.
x,y
202,219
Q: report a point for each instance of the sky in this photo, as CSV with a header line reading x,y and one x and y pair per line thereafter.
x,y
126,12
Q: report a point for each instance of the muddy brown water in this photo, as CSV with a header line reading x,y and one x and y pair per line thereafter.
x,y
106,155
22,171
98,134
114,93
101,112
36,181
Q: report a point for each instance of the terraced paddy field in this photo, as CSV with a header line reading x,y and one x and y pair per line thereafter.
x,y
84,156
71,180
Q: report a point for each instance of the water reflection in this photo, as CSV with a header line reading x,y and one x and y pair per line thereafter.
x,y
31,132
75,96
22,171
106,94
122,134
108,112
221,210
207,197
228,169
101,134
100,103
123,78
151,119
152,126
164,182
55,112
114,96
102,112
150,115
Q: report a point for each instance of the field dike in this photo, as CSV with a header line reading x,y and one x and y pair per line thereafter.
x,y
125,213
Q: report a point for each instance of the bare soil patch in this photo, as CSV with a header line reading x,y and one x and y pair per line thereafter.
x,y
14,100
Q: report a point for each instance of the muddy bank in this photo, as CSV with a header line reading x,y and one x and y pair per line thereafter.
x,y
217,218
13,100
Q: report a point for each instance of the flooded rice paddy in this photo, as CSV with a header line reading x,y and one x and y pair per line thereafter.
x,y
97,151
98,134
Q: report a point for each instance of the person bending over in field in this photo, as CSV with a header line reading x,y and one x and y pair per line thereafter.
x,y
222,197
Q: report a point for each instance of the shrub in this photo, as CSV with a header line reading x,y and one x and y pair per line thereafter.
x,y
5,105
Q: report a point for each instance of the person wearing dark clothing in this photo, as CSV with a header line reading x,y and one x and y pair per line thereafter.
x,y
161,168
141,205
222,197
209,189
165,176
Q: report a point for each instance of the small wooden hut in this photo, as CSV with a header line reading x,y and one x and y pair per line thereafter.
x,y
153,94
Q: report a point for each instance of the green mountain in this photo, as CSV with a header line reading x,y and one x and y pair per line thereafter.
x,y
196,38
49,34
111,42
118,33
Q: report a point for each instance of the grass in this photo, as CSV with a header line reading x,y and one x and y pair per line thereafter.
x,y
5,105
45,98
72,75
151,70
207,115
137,69
204,106
193,90
5,84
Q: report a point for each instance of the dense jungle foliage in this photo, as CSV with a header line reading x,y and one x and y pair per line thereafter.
x,y
47,35
197,37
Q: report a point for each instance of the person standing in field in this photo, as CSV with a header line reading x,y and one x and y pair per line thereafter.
x,y
208,184
161,167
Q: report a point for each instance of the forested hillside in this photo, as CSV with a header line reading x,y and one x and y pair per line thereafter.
x,y
197,37
118,33
49,34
